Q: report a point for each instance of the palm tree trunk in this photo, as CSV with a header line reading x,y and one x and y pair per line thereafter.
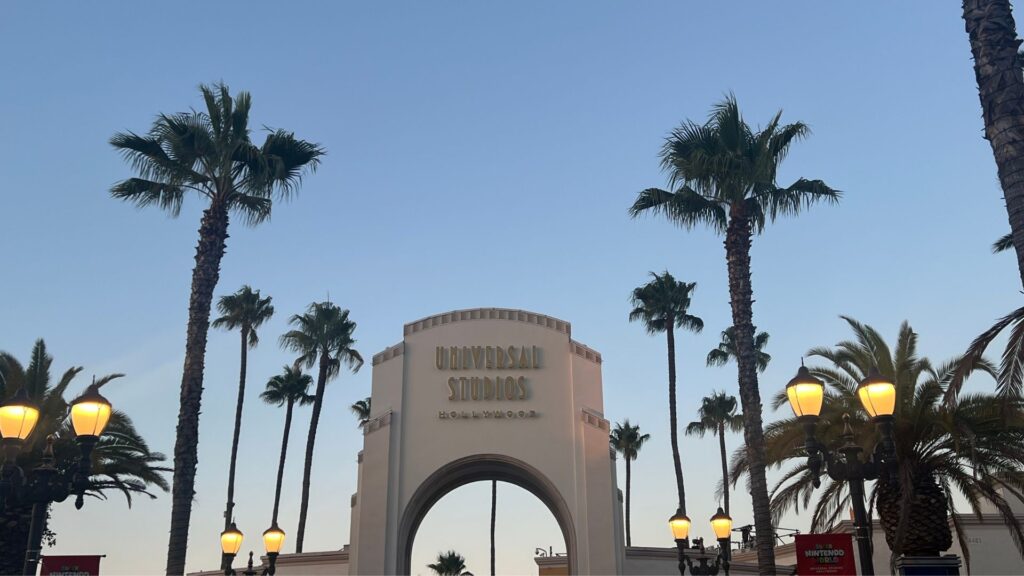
x,y
284,453
314,420
737,250
238,430
629,536
213,234
494,511
725,466
15,521
670,335
994,44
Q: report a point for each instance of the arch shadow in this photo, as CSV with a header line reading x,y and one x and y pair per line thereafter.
x,y
473,469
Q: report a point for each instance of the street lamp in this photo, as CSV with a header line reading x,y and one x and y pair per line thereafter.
x,y
90,414
721,525
877,395
231,543
273,541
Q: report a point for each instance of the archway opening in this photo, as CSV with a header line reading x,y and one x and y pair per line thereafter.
x,y
462,521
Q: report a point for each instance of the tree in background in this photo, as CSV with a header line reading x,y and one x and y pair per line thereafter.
x,y
726,349
627,440
287,389
361,408
663,305
717,415
450,563
121,460
724,175
208,153
323,338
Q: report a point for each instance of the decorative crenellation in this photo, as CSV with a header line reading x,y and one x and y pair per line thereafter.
x,y
488,314
389,353
588,353
595,419
377,423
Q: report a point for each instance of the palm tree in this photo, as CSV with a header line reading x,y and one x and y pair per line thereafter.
x,y
243,311
1004,243
972,448
717,414
993,37
208,153
121,460
724,175
287,389
627,440
361,408
726,350
450,563
324,332
663,305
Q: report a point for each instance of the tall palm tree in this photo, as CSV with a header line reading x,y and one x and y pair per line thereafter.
x,y
724,175
663,305
627,440
323,338
717,414
726,350
287,389
243,311
361,408
993,37
209,153
972,448
121,460
450,563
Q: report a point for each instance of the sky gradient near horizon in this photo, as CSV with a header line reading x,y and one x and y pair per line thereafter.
x,y
479,154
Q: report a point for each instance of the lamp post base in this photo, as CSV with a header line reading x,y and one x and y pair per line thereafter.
x,y
948,565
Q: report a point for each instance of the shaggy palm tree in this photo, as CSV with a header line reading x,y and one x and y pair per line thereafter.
x,y
724,176
287,389
717,415
243,311
1004,243
121,460
361,408
726,350
323,338
663,305
627,440
993,37
450,563
973,448
208,153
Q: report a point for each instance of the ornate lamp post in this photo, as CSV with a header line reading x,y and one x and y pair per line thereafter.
x,y
273,541
721,524
878,396
231,543
90,414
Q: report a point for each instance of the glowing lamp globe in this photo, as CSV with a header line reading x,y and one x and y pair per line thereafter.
x,y
877,394
273,539
680,525
805,393
231,540
721,523
18,416
90,413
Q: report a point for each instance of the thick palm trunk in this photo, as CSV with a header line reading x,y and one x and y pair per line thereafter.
x,y
238,430
494,512
994,45
725,466
737,250
629,536
213,233
314,420
284,453
670,336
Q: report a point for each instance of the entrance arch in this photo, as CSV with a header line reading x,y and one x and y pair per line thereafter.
x,y
476,468
482,394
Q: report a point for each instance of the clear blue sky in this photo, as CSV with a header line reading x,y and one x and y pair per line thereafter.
x,y
480,154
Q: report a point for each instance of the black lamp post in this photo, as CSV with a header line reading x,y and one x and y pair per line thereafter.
x,y
878,397
721,523
90,413
231,543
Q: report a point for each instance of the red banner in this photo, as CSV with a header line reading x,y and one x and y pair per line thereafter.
x,y
830,554
71,566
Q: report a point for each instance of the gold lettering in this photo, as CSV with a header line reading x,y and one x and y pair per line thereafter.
x,y
522,387
490,357
510,388
501,357
464,384
512,357
488,388
453,360
452,386
524,362
478,352
465,357
439,357
536,357
474,383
